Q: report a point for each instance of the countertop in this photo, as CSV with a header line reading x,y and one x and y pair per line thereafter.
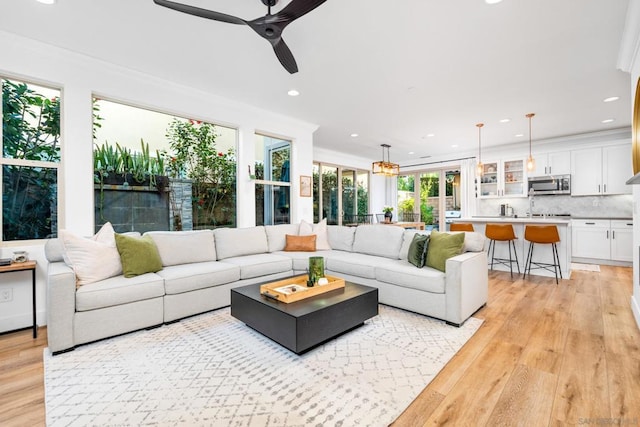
x,y
619,218
518,220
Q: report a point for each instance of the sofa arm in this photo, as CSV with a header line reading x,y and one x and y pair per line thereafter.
x,y
467,285
61,306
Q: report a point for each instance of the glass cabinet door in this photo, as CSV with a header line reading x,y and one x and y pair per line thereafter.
x,y
489,185
513,177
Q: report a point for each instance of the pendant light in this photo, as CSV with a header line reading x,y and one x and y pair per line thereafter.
x,y
385,167
531,162
480,166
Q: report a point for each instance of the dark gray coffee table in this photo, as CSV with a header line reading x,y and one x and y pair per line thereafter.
x,y
302,325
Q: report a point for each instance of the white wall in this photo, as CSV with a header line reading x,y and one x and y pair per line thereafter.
x,y
80,77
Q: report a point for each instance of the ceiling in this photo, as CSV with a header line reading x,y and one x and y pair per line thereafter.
x,y
415,74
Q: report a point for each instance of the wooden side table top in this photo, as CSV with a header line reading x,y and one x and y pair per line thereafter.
x,y
18,266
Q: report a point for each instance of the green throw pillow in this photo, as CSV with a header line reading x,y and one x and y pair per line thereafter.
x,y
418,250
443,246
139,255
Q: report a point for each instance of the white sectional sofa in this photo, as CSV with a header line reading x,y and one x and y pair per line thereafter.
x,y
200,268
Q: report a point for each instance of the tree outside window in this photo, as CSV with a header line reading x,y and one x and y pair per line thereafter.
x,y
30,159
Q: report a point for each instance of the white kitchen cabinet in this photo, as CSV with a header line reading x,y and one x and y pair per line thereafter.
x,y
590,239
503,178
601,171
622,240
602,239
558,163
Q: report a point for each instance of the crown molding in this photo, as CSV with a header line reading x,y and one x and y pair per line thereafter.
x,y
629,51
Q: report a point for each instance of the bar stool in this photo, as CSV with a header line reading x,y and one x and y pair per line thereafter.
x,y
461,226
502,233
546,235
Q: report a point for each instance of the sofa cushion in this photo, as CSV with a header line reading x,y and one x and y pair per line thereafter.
x,y
276,235
118,290
443,246
473,241
320,230
184,247
260,265
299,260
235,242
418,250
54,250
355,264
403,274
379,240
200,275
407,238
139,255
92,259
341,238
300,243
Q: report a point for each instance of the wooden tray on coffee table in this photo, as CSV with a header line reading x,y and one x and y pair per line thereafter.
x,y
295,288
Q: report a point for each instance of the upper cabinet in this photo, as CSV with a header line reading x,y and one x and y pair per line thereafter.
x,y
601,171
503,178
552,164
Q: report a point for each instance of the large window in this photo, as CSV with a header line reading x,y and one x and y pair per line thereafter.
x,y
437,195
30,159
273,180
136,149
339,193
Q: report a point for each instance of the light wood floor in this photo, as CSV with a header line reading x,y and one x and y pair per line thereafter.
x,y
546,355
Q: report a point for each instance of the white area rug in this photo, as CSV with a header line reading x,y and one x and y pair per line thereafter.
x,y
585,267
212,370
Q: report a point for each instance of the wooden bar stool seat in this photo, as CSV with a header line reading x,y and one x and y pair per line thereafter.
x,y
461,226
545,235
502,233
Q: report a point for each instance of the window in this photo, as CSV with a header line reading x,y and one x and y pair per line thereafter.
x,y
339,193
30,160
273,180
169,172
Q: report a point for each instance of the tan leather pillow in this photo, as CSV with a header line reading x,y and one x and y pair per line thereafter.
x,y
300,243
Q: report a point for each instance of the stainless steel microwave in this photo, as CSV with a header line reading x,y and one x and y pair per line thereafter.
x,y
550,184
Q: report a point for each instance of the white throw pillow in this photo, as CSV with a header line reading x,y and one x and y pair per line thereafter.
x,y
92,259
320,230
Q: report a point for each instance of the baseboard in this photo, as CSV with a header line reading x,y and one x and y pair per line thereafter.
x,y
635,307
602,262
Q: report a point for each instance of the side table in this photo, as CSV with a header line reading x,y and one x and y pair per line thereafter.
x,y
24,266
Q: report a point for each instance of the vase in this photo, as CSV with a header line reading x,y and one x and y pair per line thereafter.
x,y
316,268
388,216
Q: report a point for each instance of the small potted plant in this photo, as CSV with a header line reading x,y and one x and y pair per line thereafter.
x,y
387,213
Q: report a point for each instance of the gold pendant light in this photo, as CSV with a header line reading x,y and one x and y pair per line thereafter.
x,y
480,166
385,167
531,162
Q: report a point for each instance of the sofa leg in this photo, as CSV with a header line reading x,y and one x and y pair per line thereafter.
x,y
153,327
172,321
457,325
55,353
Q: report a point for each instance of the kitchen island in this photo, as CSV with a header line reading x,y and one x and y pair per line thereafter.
x,y
541,253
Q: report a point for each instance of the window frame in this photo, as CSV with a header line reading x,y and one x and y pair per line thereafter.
x,y
10,161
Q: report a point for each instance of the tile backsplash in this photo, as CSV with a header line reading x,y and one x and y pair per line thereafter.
x,y
581,206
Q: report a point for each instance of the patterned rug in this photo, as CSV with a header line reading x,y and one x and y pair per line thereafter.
x,y
585,267
212,370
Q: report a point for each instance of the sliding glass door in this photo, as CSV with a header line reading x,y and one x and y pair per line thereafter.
x,y
339,192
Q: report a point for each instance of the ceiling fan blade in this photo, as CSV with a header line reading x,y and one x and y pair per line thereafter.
x,y
285,56
203,13
298,8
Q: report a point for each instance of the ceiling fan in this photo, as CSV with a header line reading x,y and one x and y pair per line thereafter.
x,y
269,26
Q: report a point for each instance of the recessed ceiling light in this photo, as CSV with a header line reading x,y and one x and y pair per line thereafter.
x,y
293,92
505,120
608,120
492,1
519,135
611,99
411,152
46,1
454,146
429,135
354,135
